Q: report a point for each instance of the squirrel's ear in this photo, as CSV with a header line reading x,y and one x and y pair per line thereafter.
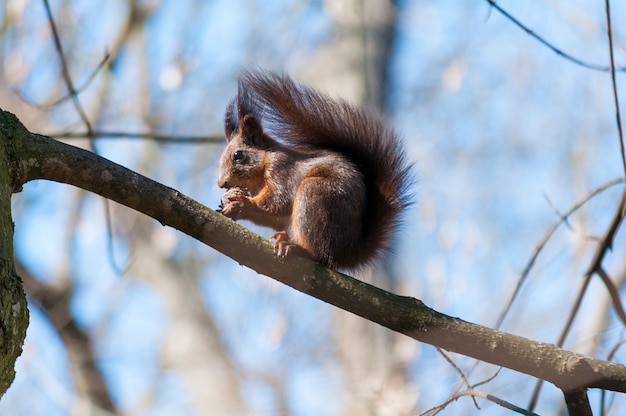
x,y
252,133
251,128
231,123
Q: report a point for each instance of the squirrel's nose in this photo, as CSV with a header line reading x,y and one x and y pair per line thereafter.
x,y
222,183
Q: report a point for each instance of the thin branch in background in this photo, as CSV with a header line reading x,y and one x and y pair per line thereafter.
x,y
64,69
73,92
488,380
614,83
544,42
156,137
613,292
86,84
458,370
616,347
69,94
529,265
557,212
476,393
606,242
79,90
563,218
570,320
471,391
501,402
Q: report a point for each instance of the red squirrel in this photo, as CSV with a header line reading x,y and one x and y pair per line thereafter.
x,y
329,177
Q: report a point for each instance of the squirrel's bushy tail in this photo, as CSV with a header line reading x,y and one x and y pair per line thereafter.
x,y
301,116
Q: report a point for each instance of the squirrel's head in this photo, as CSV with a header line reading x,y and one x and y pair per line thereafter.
x,y
243,161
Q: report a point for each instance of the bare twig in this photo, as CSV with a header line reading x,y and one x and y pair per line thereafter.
x,y
477,393
458,370
86,84
65,70
557,212
596,263
480,383
615,348
613,292
69,94
489,379
529,265
563,218
609,357
544,42
157,137
618,117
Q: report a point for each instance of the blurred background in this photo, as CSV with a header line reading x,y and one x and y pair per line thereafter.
x,y
129,317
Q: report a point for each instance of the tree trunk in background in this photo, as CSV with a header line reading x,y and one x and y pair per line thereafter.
x,y
353,65
192,346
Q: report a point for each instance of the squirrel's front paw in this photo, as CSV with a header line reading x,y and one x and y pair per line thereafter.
x,y
234,203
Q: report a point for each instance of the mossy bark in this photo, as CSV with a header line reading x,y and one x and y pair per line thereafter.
x,y
13,307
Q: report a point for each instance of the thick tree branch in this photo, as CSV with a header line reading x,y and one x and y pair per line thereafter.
x,y
39,157
13,308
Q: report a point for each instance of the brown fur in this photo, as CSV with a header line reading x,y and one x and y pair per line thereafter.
x,y
329,177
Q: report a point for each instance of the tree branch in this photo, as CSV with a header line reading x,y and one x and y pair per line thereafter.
x,y
64,68
578,403
605,244
154,137
13,307
549,45
39,157
618,117
472,392
563,218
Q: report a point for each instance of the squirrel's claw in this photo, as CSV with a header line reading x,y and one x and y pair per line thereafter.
x,y
283,244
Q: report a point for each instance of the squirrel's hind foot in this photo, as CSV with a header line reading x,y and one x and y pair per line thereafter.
x,y
284,246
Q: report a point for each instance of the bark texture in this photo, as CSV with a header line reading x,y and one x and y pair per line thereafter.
x,y
13,307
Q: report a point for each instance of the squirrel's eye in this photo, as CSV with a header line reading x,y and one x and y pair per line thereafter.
x,y
238,155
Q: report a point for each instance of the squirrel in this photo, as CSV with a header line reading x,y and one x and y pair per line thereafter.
x,y
329,177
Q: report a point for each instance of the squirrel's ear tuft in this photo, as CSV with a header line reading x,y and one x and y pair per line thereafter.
x,y
250,127
231,122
